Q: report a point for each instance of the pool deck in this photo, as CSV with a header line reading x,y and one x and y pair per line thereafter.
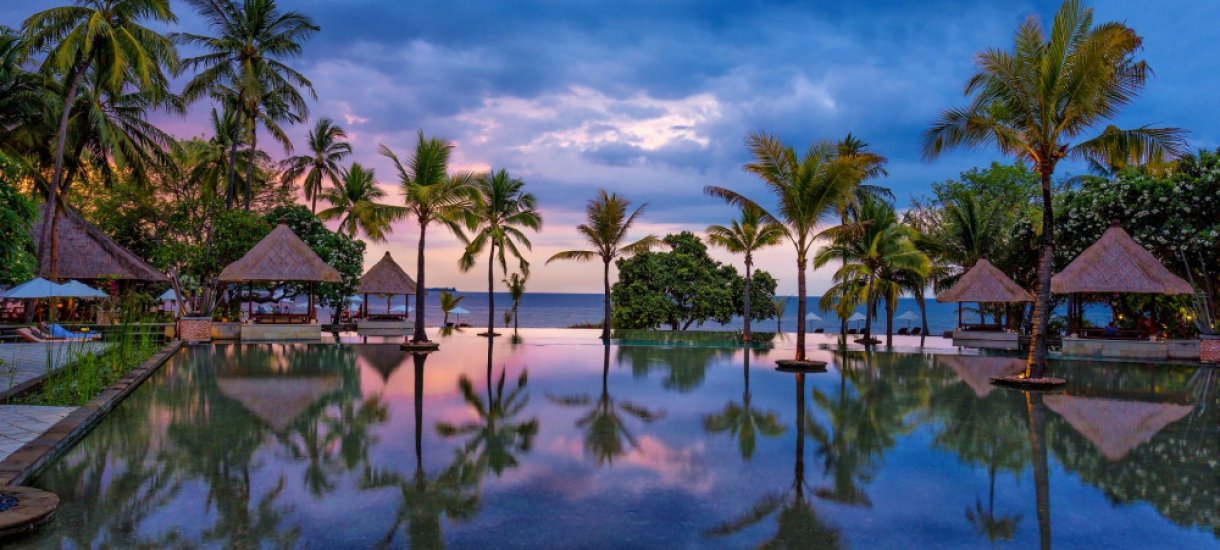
x,y
21,424
22,365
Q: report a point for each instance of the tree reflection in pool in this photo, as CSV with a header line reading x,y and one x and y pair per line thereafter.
x,y
643,445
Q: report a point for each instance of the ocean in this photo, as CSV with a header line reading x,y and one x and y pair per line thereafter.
x,y
562,310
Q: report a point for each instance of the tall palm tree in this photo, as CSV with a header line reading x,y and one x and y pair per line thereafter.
x,y
501,208
326,149
808,188
781,303
874,247
605,228
23,95
431,195
354,202
106,38
516,290
1037,101
871,166
746,236
243,63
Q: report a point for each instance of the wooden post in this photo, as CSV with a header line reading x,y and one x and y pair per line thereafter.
x,y
959,315
249,301
310,314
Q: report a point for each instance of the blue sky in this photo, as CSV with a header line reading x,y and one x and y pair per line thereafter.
x,y
653,99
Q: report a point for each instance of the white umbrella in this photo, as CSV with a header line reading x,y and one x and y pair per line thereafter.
x,y
77,289
855,317
168,295
401,309
355,299
909,316
459,311
34,288
812,317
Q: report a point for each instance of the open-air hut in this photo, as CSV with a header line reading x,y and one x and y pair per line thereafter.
x,y
281,257
385,278
86,253
984,284
1115,264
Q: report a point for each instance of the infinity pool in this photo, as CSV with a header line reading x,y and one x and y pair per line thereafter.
x,y
553,440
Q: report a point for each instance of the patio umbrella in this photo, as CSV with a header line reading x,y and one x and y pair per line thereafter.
x,y
33,289
168,295
77,289
459,311
909,317
855,317
401,309
811,318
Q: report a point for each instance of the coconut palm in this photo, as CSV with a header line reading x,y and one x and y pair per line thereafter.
x,y
606,226
105,39
23,97
354,202
781,303
808,188
244,64
746,236
326,149
501,209
1039,100
431,195
516,290
449,302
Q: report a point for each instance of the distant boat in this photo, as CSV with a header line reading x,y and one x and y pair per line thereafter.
x,y
438,289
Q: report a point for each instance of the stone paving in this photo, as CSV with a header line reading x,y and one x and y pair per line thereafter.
x,y
20,363
21,424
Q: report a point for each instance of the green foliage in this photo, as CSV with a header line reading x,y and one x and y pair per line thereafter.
x,y
87,374
340,251
762,295
682,287
16,217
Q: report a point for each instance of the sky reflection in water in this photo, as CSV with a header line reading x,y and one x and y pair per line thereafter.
x,y
573,443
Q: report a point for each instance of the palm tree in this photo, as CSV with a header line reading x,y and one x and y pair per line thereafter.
x,y
107,39
326,149
354,202
500,209
431,195
449,302
23,96
1036,101
605,229
243,64
874,248
745,237
781,303
516,290
808,188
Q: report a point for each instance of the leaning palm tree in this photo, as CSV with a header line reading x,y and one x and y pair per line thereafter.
x,y
605,229
354,202
243,64
23,94
105,39
1037,102
449,302
326,149
746,236
501,209
516,291
808,188
431,195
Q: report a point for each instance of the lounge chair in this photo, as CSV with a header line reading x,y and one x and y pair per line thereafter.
x,y
851,331
904,331
28,335
916,331
60,333
819,331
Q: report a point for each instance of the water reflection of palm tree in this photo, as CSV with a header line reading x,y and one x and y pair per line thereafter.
x,y
424,499
605,430
742,420
497,436
797,521
1036,412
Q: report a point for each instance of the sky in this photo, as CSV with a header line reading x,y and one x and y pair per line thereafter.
x,y
653,99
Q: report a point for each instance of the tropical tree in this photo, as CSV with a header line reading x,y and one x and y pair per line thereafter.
x,y
500,209
326,149
23,96
354,202
781,303
807,187
516,291
108,40
744,237
449,302
431,195
605,228
1037,101
243,65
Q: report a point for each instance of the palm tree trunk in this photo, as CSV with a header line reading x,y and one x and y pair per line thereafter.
x,y
1035,365
61,141
516,304
606,320
799,466
868,312
231,170
745,333
923,315
1037,446
420,289
491,297
800,306
889,323
250,163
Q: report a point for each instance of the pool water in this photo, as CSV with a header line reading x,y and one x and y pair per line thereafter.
x,y
554,440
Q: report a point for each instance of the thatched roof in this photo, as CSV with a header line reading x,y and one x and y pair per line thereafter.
x,y
1116,263
984,283
978,370
280,256
85,252
386,277
277,400
383,358
1115,427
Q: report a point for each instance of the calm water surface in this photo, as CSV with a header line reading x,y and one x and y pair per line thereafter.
x,y
556,440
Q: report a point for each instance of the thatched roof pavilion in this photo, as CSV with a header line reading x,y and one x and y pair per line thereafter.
x,y
85,252
984,283
978,370
1113,426
280,256
1117,264
386,277
277,400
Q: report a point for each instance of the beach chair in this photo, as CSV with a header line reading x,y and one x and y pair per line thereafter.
x,y
852,331
60,333
916,331
904,331
28,335
819,331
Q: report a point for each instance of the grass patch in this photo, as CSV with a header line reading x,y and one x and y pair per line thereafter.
x,y
87,374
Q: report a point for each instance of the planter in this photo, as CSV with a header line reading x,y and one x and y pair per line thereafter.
x,y
195,329
1209,348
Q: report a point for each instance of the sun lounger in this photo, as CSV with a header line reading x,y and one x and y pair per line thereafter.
x,y
904,331
28,335
916,331
851,331
819,331
58,332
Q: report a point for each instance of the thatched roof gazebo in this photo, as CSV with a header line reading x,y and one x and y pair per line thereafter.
x,y
984,284
388,279
85,252
1115,264
281,257
976,371
1114,426
277,400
